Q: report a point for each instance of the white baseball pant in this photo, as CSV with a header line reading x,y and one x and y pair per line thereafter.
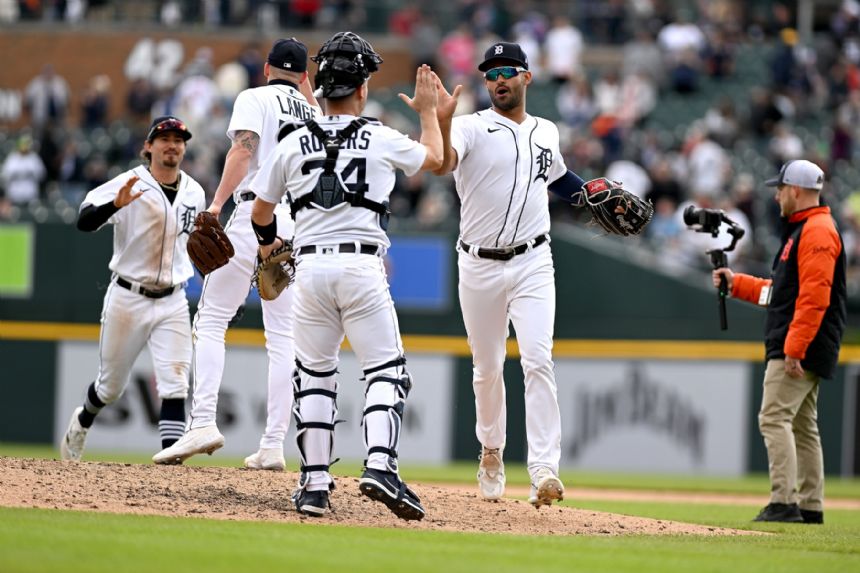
x,y
494,294
129,321
341,294
224,290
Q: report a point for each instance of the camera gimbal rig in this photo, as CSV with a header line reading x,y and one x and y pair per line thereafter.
x,y
708,221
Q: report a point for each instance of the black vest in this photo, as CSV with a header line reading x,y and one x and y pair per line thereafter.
x,y
823,352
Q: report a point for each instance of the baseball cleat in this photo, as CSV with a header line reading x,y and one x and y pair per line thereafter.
x,y
312,503
388,488
491,474
196,441
546,488
72,444
267,459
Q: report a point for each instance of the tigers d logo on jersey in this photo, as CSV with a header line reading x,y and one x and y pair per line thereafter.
x,y
186,218
543,162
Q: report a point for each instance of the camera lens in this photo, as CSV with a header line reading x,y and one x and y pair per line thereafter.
x,y
692,216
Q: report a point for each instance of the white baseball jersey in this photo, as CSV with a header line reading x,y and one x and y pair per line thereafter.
x,y
367,160
502,176
263,110
150,234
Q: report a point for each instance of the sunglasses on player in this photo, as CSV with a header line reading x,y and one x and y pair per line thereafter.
x,y
506,72
169,125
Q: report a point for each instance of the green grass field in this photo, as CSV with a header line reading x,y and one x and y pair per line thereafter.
x,y
68,541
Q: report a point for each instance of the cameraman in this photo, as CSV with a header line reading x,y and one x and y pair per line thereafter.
x,y
806,314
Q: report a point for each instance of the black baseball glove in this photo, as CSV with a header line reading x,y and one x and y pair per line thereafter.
x,y
619,212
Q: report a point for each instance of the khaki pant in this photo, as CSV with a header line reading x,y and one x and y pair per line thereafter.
x,y
788,421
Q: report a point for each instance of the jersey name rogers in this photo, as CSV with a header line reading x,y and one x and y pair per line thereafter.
x,y
310,144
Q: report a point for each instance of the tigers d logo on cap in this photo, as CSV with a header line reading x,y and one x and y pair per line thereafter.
x,y
504,51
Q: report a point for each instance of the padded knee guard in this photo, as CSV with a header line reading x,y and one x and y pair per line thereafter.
x,y
315,409
388,386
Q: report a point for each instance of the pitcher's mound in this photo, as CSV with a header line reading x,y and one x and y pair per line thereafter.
x,y
232,493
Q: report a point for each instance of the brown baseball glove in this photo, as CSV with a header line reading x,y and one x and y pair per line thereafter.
x,y
208,245
275,273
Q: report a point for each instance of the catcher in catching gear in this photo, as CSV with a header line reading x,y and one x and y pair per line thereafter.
x,y
275,272
619,212
208,245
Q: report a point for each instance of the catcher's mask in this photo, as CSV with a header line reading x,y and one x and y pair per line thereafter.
x,y
344,62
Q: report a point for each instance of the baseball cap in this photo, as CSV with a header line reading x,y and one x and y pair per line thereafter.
x,y
289,54
167,123
801,173
504,51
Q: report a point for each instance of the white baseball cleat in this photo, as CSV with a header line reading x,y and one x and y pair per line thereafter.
x,y
72,444
546,488
491,474
267,459
197,441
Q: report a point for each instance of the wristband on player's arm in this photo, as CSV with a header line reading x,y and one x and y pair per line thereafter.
x,y
91,217
569,188
266,234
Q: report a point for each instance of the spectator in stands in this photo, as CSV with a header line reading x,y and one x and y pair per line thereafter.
x,y
575,103
563,47
719,55
708,165
784,145
46,98
684,75
9,12
764,113
138,104
457,54
95,102
642,55
664,185
22,173
722,123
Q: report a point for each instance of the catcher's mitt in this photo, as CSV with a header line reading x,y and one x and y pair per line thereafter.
x,y
208,245
619,212
275,273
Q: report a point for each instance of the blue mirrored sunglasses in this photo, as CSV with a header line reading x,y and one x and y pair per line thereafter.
x,y
506,72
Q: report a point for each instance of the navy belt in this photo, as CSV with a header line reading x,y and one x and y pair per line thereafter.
x,y
505,253
149,293
247,195
341,248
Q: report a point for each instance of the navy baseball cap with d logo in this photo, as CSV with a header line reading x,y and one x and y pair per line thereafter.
x,y
507,51
289,54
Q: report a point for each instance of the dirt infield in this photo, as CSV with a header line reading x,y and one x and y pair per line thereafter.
x,y
238,494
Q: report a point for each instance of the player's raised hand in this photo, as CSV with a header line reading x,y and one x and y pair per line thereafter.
x,y
125,194
446,102
425,98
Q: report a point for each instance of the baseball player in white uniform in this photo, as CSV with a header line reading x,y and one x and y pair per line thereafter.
x,y
258,113
339,172
152,208
504,160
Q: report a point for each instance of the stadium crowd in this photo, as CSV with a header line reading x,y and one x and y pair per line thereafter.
x,y
766,93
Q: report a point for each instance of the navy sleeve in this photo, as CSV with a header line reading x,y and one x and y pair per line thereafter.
x,y
91,217
568,187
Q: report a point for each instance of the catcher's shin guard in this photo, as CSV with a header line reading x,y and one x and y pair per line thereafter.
x,y
315,409
388,386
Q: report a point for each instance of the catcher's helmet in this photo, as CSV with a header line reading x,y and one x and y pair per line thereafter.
x,y
344,62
